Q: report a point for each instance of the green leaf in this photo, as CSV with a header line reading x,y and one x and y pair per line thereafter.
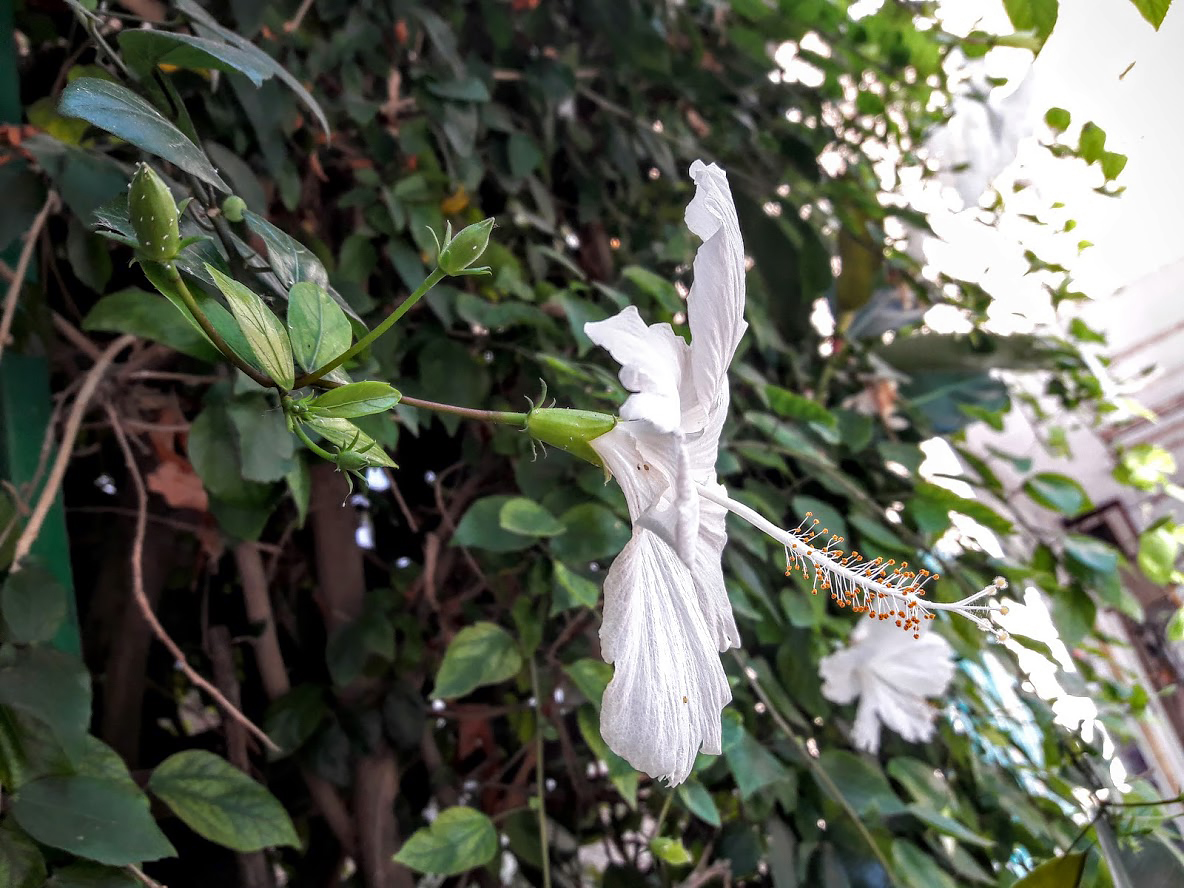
x,y
524,155
1175,627
144,49
1159,547
527,518
862,783
459,839
1153,10
357,399
92,875
102,820
318,327
1058,492
593,532
1092,142
33,604
266,335
479,655
1039,16
1056,873
948,825
342,434
699,802
139,312
1091,553
624,778
918,868
591,677
265,446
294,717
122,113
52,687
221,803
673,851
351,646
21,863
753,766
571,590
206,25
794,406
1058,119
480,528
1113,164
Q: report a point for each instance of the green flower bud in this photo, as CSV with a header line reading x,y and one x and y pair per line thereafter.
x,y
153,214
233,207
570,430
466,248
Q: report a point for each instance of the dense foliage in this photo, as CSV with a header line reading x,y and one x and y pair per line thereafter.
x,y
417,662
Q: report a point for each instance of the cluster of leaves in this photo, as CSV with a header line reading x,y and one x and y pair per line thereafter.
x,y
438,670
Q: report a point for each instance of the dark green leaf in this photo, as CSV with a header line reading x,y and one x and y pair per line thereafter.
x,y
480,528
526,517
753,766
479,655
319,329
294,717
207,26
267,337
221,803
33,604
357,399
139,312
948,825
699,802
918,868
591,677
92,875
122,113
459,839
592,532
571,590
861,782
52,687
145,49
793,406
21,863
1090,552
265,446
1058,492
101,820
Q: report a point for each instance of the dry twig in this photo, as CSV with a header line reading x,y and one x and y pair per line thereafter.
x,y
145,606
22,266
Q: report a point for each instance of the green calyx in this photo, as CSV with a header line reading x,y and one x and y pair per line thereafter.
x,y
233,208
458,253
153,214
570,430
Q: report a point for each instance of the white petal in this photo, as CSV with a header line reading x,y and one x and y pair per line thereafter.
x,y
905,713
865,733
710,590
663,704
642,462
838,671
651,359
715,306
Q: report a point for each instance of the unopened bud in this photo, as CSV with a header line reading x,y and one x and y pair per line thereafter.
x,y
459,252
570,430
233,208
153,214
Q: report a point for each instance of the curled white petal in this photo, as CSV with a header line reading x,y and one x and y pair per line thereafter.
x,y
663,704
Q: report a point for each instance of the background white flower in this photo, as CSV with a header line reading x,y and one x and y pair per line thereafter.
x,y
892,673
666,611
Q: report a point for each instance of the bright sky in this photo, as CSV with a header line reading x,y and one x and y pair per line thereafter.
x,y
1079,69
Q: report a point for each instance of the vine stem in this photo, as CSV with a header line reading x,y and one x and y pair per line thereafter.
x,y
177,281
498,416
312,445
430,281
539,777
145,607
815,766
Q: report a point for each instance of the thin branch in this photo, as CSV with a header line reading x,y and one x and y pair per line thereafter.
x,y
146,607
50,491
145,880
22,266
